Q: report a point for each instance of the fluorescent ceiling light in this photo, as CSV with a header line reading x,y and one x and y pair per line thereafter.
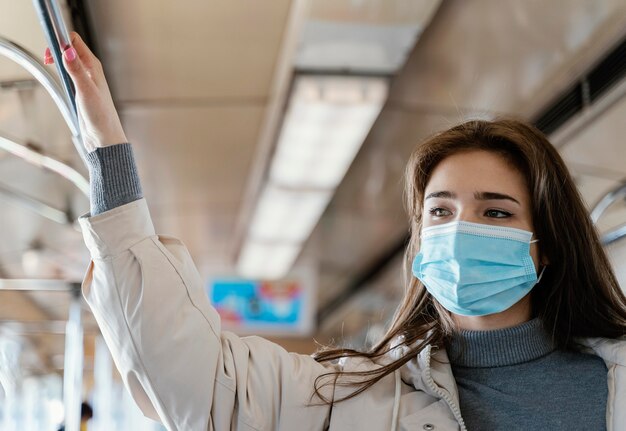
x,y
287,215
266,261
327,120
362,36
326,123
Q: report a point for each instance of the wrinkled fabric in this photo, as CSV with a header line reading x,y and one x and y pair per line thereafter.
x,y
475,269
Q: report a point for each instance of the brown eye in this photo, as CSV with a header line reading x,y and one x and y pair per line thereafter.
x,y
439,212
497,214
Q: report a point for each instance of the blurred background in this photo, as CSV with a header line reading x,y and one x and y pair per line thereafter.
x,y
271,137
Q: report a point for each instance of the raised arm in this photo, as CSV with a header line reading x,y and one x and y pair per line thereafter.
x,y
150,304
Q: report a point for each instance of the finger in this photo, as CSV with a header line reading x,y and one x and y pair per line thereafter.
x,y
75,68
47,57
87,57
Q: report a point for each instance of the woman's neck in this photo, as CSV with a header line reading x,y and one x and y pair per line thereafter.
x,y
519,313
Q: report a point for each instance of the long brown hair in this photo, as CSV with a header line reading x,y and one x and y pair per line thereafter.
x,y
578,296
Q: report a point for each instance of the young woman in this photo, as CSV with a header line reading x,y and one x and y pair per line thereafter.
x,y
512,317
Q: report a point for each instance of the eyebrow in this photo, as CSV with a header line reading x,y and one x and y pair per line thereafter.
x,y
481,196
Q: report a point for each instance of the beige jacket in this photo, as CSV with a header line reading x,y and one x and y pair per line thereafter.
x,y
183,371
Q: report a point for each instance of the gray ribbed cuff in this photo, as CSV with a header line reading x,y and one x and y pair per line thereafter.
x,y
113,177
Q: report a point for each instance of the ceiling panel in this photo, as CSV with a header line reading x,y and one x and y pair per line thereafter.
x,y
600,146
193,156
505,56
396,12
598,150
191,50
19,23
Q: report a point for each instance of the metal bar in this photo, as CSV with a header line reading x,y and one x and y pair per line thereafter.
x,y
57,327
35,285
56,35
58,23
73,365
18,84
43,161
606,201
614,235
103,394
58,39
21,56
35,205
35,327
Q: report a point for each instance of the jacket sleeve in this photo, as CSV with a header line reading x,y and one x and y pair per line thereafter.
x,y
166,341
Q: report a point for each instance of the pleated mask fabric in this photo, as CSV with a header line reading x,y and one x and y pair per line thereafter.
x,y
475,269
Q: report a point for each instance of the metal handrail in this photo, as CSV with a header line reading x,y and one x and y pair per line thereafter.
x,y
58,40
600,208
607,200
21,56
46,162
28,61
39,207
614,235
36,285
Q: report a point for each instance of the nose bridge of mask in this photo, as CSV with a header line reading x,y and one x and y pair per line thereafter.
x,y
463,241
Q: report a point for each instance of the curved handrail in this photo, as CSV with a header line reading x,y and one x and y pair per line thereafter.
x,y
606,201
25,59
614,235
600,208
43,161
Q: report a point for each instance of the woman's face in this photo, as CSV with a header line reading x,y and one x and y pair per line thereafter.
x,y
480,187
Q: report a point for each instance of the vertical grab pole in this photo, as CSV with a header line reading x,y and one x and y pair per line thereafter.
x,y
103,388
56,45
58,40
73,367
63,36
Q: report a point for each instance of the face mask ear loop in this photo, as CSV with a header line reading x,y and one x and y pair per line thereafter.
x,y
544,267
541,274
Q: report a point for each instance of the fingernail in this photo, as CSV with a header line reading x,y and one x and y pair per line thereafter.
x,y
47,57
70,54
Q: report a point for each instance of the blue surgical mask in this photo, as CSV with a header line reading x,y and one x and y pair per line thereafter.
x,y
475,269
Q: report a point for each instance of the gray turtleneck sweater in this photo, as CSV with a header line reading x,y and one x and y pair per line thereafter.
x,y
508,379
514,379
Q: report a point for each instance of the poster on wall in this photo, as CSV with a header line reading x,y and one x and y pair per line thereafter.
x,y
263,307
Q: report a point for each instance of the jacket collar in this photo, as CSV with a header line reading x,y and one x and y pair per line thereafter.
x,y
430,366
613,351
